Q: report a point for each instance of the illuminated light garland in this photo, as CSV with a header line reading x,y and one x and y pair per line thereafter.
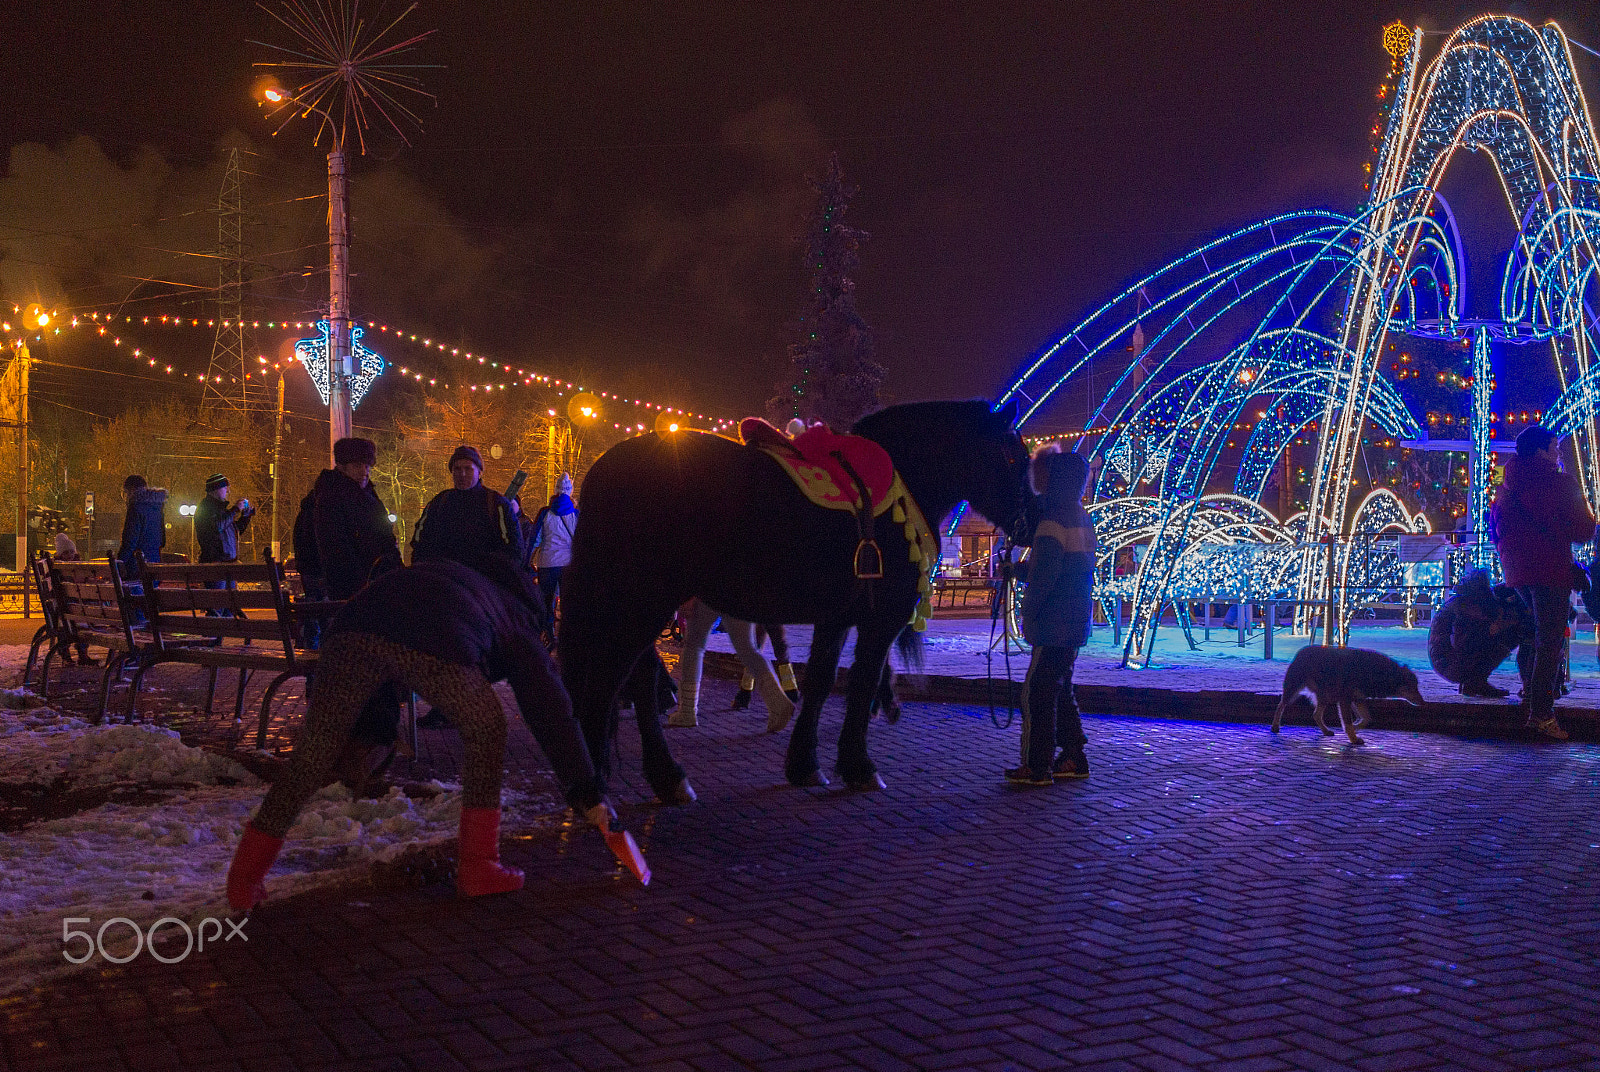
x,y
313,354
525,378
137,353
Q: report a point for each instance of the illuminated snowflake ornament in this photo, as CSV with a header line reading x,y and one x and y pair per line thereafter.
x,y
1397,39
313,354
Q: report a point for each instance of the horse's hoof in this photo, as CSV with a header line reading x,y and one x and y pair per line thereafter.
x,y
813,780
682,793
891,714
1273,728
868,784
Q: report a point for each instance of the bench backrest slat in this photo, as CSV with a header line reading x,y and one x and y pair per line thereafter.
x,y
91,598
245,600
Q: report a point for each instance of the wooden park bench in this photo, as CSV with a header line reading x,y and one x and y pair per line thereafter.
x,y
221,615
94,609
49,635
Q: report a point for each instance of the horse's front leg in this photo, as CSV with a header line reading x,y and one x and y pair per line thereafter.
x,y
822,668
643,689
872,654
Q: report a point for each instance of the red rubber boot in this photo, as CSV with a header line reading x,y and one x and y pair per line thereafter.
x,y
478,869
251,861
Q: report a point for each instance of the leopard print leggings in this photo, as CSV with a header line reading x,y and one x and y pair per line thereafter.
x,y
350,668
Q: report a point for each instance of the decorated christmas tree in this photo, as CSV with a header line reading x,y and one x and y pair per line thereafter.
x,y
833,377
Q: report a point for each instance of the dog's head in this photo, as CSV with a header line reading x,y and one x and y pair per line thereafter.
x,y
1408,690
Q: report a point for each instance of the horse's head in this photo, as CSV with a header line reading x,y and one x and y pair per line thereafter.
x,y
1015,498
950,451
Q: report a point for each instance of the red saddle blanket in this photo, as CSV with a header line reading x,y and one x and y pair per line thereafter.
x,y
812,460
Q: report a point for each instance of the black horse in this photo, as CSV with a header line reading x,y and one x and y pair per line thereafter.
x,y
667,517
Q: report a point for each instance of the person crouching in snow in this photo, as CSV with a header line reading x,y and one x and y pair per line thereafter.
x,y
445,631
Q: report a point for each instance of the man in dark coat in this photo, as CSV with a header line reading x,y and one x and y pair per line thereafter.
x,y
217,525
354,537
144,525
1538,515
467,521
1056,620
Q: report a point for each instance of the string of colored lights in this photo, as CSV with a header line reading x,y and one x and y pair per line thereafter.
x,y
522,377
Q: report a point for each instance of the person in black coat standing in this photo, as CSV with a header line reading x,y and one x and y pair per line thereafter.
x,y
354,537
144,525
217,525
467,521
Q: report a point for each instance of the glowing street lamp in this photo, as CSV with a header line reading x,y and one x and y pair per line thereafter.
x,y
347,70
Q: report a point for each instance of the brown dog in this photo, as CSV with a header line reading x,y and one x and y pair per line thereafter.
x,y
1348,677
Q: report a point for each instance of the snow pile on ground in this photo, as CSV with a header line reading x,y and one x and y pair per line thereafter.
x,y
163,849
41,745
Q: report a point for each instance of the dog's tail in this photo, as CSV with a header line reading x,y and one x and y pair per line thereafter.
x,y
1294,681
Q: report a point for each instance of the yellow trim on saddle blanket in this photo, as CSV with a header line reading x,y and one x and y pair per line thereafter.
x,y
818,485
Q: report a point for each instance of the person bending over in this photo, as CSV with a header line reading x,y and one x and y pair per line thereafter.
x,y
445,631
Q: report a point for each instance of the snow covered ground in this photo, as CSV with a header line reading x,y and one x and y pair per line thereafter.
x,y
961,648
156,831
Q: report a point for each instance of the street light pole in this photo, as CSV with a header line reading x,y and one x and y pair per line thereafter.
x,y
277,465
351,75
340,416
23,361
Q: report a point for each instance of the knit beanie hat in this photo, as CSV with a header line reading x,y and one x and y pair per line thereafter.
x,y
564,484
134,483
215,481
469,453
354,450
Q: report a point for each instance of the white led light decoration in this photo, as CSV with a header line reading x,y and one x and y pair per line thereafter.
x,y
1276,334
313,354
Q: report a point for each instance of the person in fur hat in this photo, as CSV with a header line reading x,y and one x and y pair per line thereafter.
x,y
1056,620
354,537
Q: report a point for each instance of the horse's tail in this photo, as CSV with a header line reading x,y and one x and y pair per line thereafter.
x,y
909,645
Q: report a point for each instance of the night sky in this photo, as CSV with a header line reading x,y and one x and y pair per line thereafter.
x,y
611,191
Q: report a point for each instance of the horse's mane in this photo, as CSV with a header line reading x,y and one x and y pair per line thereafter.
x,y
890,420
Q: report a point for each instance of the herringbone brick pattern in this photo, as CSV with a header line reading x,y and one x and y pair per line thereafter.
x,y
1213,897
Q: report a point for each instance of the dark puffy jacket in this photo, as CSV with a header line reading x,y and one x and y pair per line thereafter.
x,y
144,527
460,615
306,560
1058,604
216,529
1476,629
1537,517
353,534
465,526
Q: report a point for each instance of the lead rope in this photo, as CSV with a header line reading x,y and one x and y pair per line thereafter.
x,y
1000,609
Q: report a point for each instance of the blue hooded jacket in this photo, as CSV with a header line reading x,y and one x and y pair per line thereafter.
x,y
144,528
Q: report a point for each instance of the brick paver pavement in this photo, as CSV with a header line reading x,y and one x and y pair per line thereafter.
x,y
1213,897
